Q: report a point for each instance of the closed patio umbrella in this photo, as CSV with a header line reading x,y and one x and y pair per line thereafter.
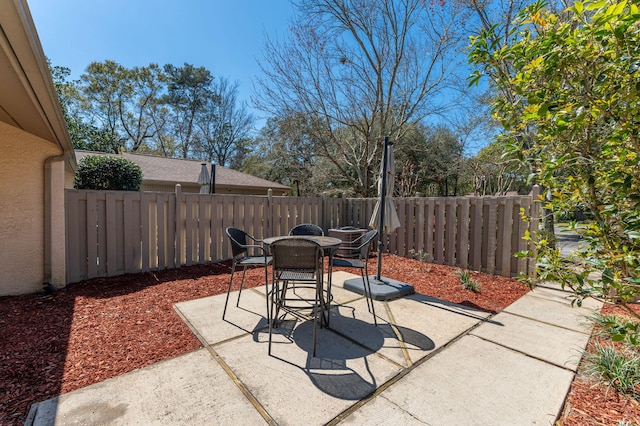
x,y
385,219
204,180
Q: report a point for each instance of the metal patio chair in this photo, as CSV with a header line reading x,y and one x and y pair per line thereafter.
x,y
361,262
307,229
296,260
246,252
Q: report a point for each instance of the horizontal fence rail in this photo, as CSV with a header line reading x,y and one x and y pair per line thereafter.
x,y
116,232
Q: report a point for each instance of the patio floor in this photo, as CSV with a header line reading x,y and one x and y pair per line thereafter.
x,y
427,362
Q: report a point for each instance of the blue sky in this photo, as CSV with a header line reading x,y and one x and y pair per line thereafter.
x,y
224,36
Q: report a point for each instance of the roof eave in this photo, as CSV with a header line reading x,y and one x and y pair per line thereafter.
x,y
35,107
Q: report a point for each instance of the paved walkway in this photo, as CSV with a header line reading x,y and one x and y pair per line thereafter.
x,y
428,362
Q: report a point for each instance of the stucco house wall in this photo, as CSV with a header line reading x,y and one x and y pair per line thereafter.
x,y
22,209
37,160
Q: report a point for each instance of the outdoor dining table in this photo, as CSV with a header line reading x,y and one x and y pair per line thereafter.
x,y
328,244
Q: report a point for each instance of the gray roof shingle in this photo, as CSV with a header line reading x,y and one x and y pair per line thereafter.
x,y
163,169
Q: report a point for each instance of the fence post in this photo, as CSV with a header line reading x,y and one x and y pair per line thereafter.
x,y
534,225
179,227
324,219
269,213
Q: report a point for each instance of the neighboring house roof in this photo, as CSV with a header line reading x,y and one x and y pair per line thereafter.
x,y
28,98
176,170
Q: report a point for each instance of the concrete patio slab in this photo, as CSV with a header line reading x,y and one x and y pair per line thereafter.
x,y
561,347
553,312
190,389
382,412
474,382
296,388
205,315
555,292
427,362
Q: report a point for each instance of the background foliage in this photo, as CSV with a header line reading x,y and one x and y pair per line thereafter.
x,y
573,119
107,173
344,76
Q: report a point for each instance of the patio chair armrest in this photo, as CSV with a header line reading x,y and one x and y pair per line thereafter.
x,y
258,240
263,251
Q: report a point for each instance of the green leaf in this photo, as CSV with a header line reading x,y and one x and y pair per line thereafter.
x,y
619,7
617,337
578,7
596,5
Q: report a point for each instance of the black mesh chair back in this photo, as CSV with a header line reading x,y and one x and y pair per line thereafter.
x,y
361,263
307,229
296,254
297,260
246,252
238,239
365,243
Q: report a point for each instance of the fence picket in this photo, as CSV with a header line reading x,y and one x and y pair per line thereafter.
x,y
476,233
92,234
463,234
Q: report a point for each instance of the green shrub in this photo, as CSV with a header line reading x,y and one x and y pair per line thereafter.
x,y
108,173
626,330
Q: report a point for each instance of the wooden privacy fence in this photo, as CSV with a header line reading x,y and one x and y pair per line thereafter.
x,y
115,232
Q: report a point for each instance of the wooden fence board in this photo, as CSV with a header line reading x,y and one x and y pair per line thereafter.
x,y
476,233
91,234
145,231
463,234
505,246
430,230
450,232
439,230
491,239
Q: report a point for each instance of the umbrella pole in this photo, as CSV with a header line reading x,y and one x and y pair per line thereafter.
x,y
384,288
383,192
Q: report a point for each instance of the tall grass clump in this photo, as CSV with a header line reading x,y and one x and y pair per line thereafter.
x,y
468,283
615,368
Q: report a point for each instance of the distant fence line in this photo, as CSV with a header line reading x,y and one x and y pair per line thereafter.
x,y
116,232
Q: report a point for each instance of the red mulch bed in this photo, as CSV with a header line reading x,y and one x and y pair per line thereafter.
x,y
593,403
101,328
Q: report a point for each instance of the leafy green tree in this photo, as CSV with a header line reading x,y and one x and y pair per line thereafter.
x,y
83,135
429,160
121,100
288,151
188,93
494,174
577,92
107,173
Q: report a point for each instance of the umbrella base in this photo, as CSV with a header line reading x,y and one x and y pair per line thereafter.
x,y
383,289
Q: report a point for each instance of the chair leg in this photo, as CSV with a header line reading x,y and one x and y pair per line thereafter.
x,y
318,308
244,271
233,269
270,310
367,292
267,294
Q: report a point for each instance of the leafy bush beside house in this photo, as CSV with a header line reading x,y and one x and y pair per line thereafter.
x,y
107,173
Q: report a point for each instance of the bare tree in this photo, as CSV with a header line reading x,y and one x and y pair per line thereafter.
x,y
223,123
360,70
